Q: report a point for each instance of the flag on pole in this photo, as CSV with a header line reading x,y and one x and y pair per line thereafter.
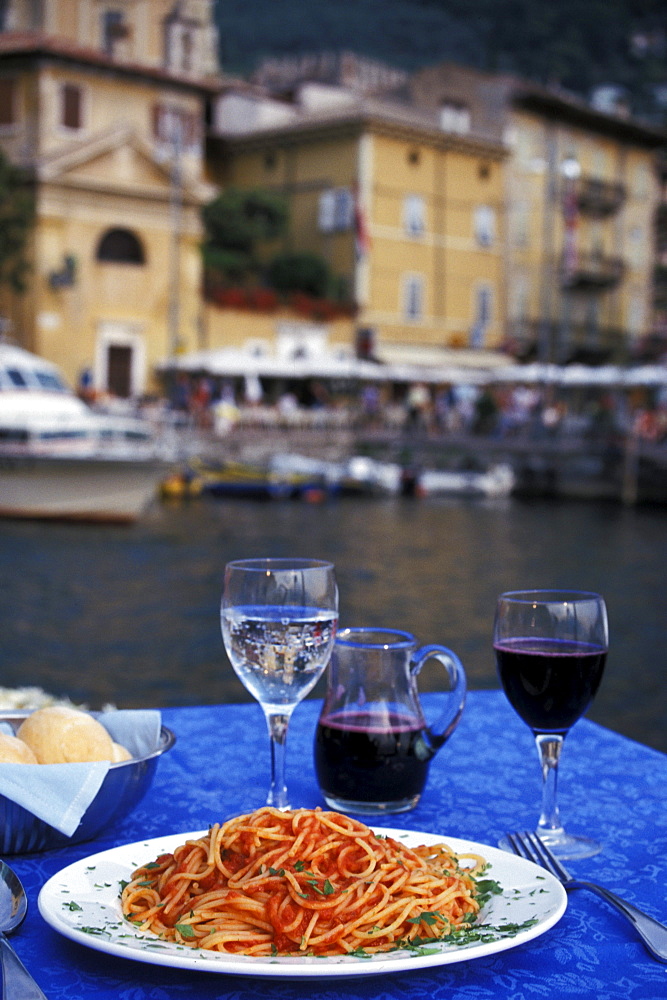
x,y
362,240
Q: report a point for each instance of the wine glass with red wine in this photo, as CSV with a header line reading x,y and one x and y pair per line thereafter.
x,y
551,648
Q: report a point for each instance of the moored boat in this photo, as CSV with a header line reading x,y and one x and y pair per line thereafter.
x,y
292,476
240,480
59,459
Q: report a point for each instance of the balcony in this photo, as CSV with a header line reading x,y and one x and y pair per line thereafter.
x,y
562,343
591,272
598,198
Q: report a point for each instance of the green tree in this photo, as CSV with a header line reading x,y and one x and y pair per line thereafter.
x,y
236,224
17,216
300,272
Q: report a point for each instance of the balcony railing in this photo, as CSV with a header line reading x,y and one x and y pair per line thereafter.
x,y
562,342
597,197
591,271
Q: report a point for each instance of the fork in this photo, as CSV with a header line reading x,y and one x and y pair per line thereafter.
x,y
652,932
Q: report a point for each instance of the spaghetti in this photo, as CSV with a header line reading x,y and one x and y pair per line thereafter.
x,y
302,882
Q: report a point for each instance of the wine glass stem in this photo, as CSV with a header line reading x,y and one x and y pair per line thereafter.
x,y
278,723
549,749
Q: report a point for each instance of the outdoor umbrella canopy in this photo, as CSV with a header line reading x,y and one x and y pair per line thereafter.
x,y
231,363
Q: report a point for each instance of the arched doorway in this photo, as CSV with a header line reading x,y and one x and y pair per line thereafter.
x,y
120,354
120,246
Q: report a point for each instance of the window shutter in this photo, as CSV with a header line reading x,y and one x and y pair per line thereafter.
x,y
7,100
71,106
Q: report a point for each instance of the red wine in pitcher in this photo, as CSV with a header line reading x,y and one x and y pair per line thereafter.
x,y
371,757
550,683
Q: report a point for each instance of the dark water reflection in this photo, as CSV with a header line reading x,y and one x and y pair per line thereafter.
x,y
130,615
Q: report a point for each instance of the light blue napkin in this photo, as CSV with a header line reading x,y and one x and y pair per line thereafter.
x,y
59,794
138,730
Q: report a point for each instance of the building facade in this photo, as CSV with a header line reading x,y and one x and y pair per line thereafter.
x,y
103,105
408,217
581,197
495,214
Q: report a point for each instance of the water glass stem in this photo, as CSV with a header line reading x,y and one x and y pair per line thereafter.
x,y
278,723
549,749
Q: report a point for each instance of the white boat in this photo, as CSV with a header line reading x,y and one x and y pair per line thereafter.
x,y
361,474
60,459
496,481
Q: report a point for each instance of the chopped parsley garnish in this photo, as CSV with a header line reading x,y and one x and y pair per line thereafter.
x,y
185,930
428,918
486,889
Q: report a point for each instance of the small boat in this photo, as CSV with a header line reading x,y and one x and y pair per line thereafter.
x,y
357,476
362,476
62,460
496,481
299,477
242,481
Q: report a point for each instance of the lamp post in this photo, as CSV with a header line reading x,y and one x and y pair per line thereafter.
x,y
176,213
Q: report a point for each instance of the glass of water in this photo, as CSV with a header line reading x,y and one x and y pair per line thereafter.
x,y
279,619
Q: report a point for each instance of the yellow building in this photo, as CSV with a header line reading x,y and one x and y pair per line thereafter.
x,y
104,105
581,195
409,217
499,214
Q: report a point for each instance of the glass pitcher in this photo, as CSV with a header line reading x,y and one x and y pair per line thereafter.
x,y
372,743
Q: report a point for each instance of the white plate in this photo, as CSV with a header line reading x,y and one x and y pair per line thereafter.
x,y
82,902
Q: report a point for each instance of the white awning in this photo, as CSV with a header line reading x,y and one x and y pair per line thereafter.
x,y
647,375
230,363
458,370
424,356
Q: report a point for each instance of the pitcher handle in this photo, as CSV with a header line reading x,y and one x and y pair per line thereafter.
x,y
456,696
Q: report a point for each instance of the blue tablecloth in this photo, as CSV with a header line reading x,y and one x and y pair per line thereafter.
x,y
484,782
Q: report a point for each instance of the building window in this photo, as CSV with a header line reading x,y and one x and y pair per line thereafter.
x,y
187,49
413,297
180,45
175,126
414,215
71,106
8,114
114,30
120,246
485,226
455,118
335,211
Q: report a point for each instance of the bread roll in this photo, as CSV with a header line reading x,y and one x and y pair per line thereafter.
x,y
62,735
15,751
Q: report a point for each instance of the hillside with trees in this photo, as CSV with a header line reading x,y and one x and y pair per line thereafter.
x,y
576,44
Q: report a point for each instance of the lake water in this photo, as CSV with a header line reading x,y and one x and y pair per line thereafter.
x,y
131,615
